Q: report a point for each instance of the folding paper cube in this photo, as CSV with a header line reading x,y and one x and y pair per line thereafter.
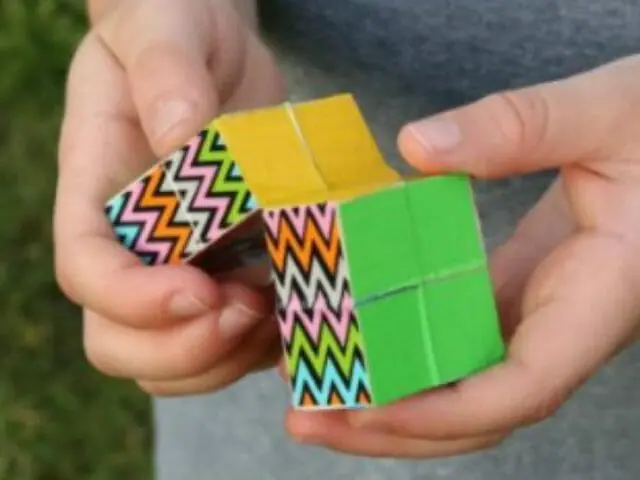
x,y
185,204
381,284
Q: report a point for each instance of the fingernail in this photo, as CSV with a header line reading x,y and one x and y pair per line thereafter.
x,y
437,134
186,305
168,114
236,319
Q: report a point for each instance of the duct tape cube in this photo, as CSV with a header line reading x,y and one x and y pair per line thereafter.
x,y
382,285
187,203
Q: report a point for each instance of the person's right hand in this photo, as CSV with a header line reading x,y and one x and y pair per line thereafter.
x,y
146,78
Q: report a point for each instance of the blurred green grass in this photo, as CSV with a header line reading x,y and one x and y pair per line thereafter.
x,y
58,418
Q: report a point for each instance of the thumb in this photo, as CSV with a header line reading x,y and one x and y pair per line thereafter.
x,y
165,50
581,118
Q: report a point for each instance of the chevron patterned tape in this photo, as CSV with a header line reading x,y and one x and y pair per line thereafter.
x,y
149,219
322,342
183,203
211,185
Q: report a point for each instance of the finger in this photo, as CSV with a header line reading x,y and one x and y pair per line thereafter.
x,y
179,351
98,9
540,231
187,65
580,307
166,65
257,351
100,144
331,430
585,117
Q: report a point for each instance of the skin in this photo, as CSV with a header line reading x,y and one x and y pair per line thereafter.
x,y
151,72
140,84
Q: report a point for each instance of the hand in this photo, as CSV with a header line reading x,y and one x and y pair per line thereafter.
x,y
147,77
567,282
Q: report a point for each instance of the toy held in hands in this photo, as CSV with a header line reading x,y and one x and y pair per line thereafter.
x,y
381,283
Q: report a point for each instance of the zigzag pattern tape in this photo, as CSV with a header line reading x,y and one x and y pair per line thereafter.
x,y
182,204
149,219
307,389
211,185
320,332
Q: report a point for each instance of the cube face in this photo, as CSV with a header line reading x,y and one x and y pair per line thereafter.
x,y
310,152
422,293
445,227
463,325
320,332
185,203
210,184
396,340
410,232
378,244
150,220
430,335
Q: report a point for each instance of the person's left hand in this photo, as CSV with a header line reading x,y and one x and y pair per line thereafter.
x,y
567,281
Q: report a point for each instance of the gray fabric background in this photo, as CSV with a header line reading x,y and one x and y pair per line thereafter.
x,y
404,59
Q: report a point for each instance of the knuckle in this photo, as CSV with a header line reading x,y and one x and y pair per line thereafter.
x,y
193,363
121,23
97,11
520,118
193,355
200,351
98,361
543,408
97,352
483,167
70,272
81,52
64,279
